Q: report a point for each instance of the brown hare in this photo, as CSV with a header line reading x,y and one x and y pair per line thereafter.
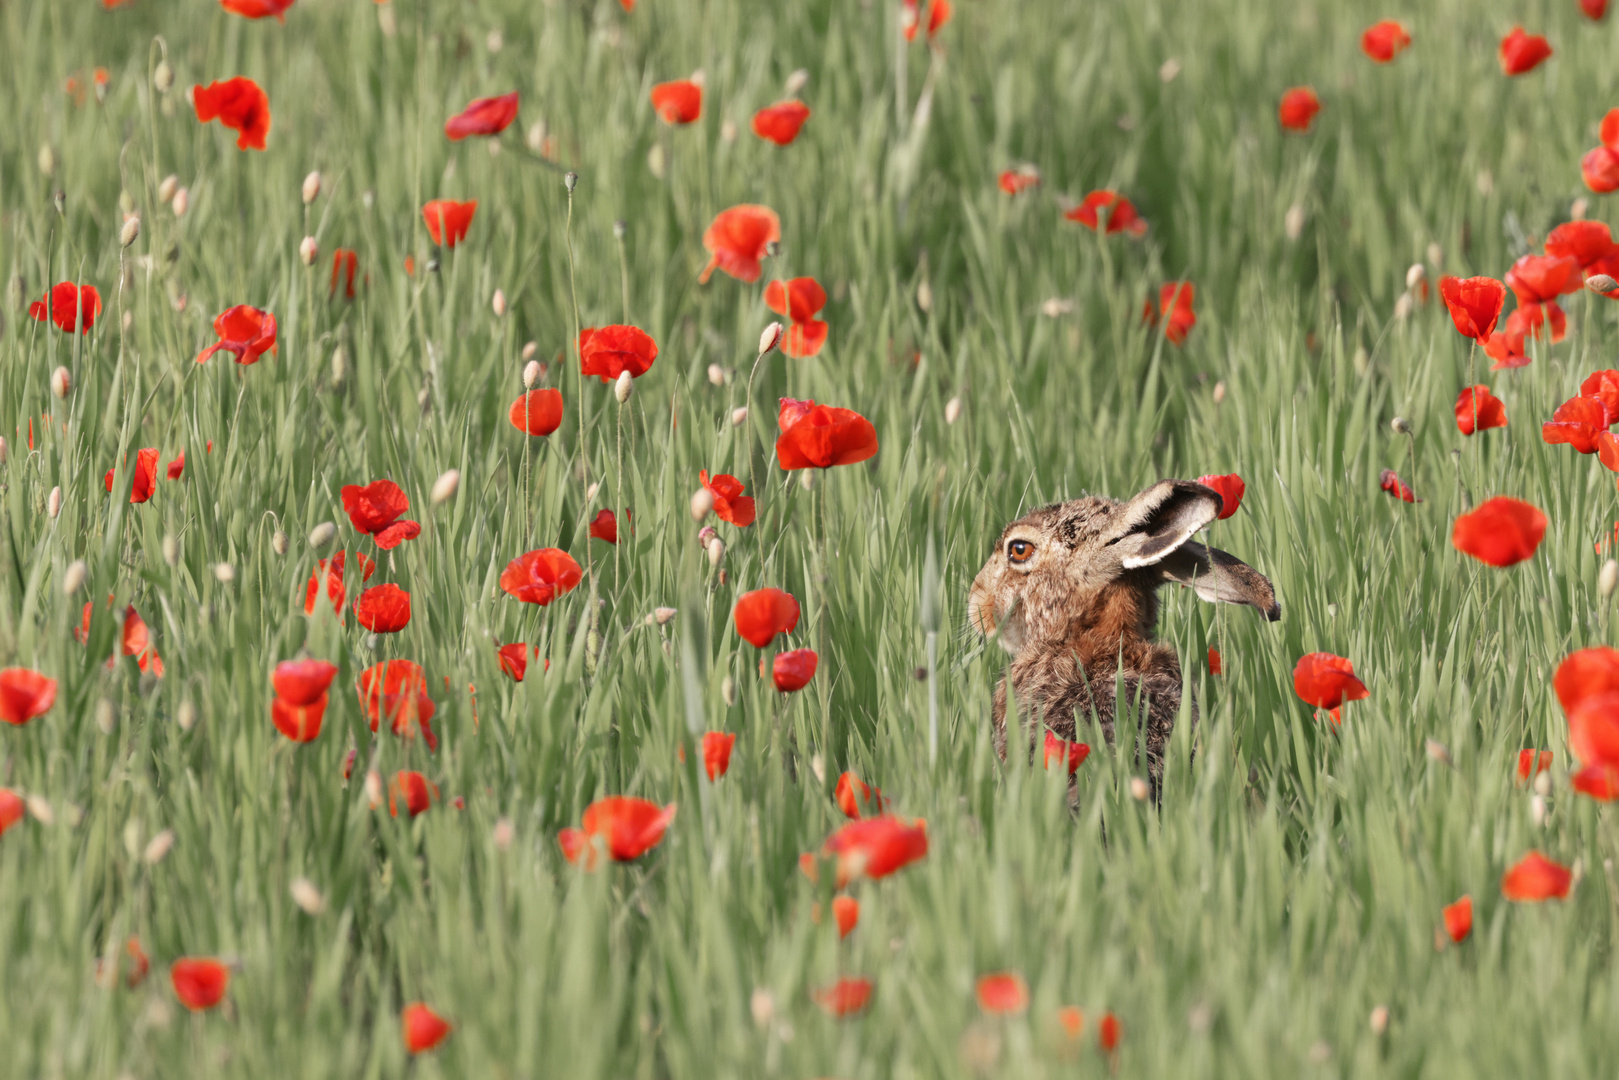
x,y
1072,593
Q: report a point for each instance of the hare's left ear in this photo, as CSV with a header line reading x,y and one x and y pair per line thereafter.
x,y
1157,522
1217,576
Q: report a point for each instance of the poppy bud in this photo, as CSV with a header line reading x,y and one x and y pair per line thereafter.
x,y
53,502
503,833
535,137
716,375
531,374
1608,578
1219,391
498,303
181,202
1056,307
620,227
716,551
570,181
952,410
590,492
806,479
40,810
186,715
61,382
128,321
739,416
728,690
1580,207
1543,784
924,297
5,450
131,230
1414,275
106,719
224,573
158,848
728,130
663,615
1139,789
171,549
1537,810
529,349
163,77
373,788
1436,255
656,161
702,502
762,1004
73,577
1438,751
770,338
1402,306
705,534
1380,1020
337,366
309,251
279,542
166,189
311,187
1293,222
47,160
306,896
796,82
1601,283
1168,70
322,534
621,389
444,487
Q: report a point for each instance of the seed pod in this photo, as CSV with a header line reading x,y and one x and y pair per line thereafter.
x,y
1543,784
570,181
1168,70
806,479
445,486
131,230
1537,810
952,410
279,542
53,502
73,577
1402,306
166,189
309,251
498,303
657,161
739,416
322,534
770,338
311,187
622,388
61,382
702,502
531,374
1401,425
163,77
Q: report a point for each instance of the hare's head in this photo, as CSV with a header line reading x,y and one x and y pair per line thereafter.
x,y
1062,567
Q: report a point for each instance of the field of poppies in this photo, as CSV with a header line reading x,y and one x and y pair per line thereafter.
x,y
489,493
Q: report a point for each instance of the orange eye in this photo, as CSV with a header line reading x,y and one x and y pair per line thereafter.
x,y
1019,551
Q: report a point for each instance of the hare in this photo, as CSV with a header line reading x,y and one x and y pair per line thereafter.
x,y
1071,592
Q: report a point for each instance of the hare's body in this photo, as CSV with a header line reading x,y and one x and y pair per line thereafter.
x,y
1072,594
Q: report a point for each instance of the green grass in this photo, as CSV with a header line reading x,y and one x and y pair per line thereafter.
x,y
1292,878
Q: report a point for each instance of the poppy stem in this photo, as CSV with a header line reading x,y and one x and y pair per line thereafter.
x,y
593,634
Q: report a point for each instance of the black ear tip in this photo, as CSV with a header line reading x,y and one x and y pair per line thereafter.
x,y
1274,612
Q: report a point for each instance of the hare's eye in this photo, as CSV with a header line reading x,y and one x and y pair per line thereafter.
x,y
1019,551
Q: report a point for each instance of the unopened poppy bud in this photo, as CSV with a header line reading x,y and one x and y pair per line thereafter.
x,y
716,374
163,77
73,577
1168,70
497,303
339,366
373,788
590,492
728,130
126,203
130,232
531,374
1608,578
663,615
570,181
1055,307
1436,255
53,502
705,534
952,410
186,715
166,189
311,187
159,847
1543,784
444,487
171,549
106,718
1219,391
306,896
1414,275
40,810
181,202
620,227
770,338
1380,1020
806,479
1438,751
1402,306
621,389
503,833
762,1004
224,573
128,321
309,251
797,81
818,767
924,297
279,542
702,502
657,162
739,416
728,690
1579,208
1139,789
1537,810
698,78
61,382
535,136
5,450
1293,221
1601,283
47,160
529,349
322,534
716,551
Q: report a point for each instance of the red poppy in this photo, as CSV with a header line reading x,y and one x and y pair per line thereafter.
x,y
1501,532
1586,242
539,577
25,694
332,569
299,722
412,790
729,502
1608,451
1593,730
1600,167
245,332
453,218
375,509
1384,41
240,105
177,467
1110,1033
12,808
876,847
1459,919
1298,108
1003,994
1506,347
762,614
1535,761
1174,301
1215,665
939,13
257,9
397,689
485,116
1391,483
1536,279
856,799
1021,179
736,241
910,18
1534,878
1475,304
1072,1021
1594,10
139,963
514,659
538,412
144,481
303,682
384,609
1327,681
1521,52
823,436
137,642
1075,753
345,262
1230,488
66,304
846,913
793,670
609,351
800,300
1586,673
422,1028
779,123
1479,410
1576,422
604,526
1604,387
199,983
677,102
1599,782
717,753
623,828
1121,216
845,997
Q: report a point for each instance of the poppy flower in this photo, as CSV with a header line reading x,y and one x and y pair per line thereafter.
x,y
1121,214
1604,387
514,659
1600,167
1594,10
384,609
762,614
539,577
448,220
793,670
1576,422
25,694
1071,1018
199,983
375,510
845,997
1383,41
245,332
398,689
1475,304
411,789
1501,532
1327,681
1593,728
1459,919
910,18
736,241
1298,108
1506,347
939,13
1599,782
298,721
137,642
177,467
1215,665
485,116
144,481
800,300
677,102
422,1028
1003,994
1109,1033
876,847
604,526
302,682
1608,453
609,351
856,799
258,9
66,304
332,570
823,436
846,913
1586,242
1230,489
779,123
1391,483
1535,761
1521,52
624,828
12,808
538,412
139,963
1175,301
729,502
1534,878
1586,673
1538,278
1075,753
1479,410
240,105
717,753
1021,179
345,261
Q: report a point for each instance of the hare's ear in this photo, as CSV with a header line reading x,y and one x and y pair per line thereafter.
x,y
1159,520
1218,576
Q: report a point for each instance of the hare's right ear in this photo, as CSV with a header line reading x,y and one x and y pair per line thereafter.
x,y
1155,523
